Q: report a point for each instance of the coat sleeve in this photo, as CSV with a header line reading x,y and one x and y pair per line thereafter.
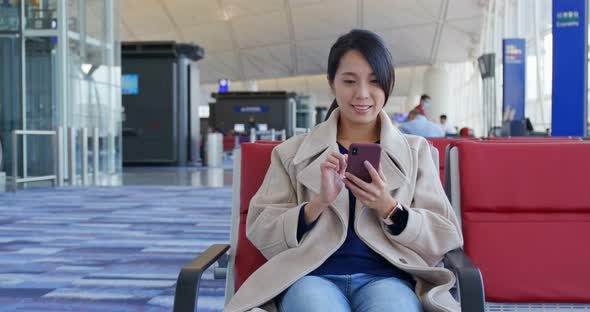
x,y
432,229
273,214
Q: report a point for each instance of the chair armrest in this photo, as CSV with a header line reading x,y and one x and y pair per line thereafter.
x,y
189,278
469,280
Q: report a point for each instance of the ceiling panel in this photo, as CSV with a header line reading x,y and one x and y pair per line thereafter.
x,y
300,3
385,14
455,46
312,56
253,31
191,13
464,9
238,8
267,62
214,38
149,29
217,66
469,26
146,20
410,45
321,20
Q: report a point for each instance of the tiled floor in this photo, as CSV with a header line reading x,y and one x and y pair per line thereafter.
x,y
112,248
181,176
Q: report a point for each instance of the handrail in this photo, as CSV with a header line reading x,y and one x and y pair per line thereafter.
x,y
15,178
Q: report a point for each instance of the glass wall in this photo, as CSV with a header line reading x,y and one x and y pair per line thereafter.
x,y
94,68
67,77
10,78
10,108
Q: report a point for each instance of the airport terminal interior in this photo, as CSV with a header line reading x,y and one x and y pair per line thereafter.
x,y
134,135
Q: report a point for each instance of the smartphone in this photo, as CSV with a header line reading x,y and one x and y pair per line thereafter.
x,y
358,153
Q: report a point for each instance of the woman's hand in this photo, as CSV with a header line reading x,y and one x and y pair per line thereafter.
x,y
373,195
332,175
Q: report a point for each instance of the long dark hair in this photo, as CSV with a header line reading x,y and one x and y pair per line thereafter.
x,y
372,47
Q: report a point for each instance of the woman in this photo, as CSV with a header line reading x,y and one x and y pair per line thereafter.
x,y
333,242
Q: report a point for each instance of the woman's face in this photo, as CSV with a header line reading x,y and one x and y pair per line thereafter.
x,y
357,92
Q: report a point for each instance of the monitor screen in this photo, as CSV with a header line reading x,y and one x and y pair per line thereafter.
x,y
129,84
262,127
239,128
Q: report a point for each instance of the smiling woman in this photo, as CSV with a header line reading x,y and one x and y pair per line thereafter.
x,y
360,61
342,243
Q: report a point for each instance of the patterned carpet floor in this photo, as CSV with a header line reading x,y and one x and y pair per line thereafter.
x,y
107,249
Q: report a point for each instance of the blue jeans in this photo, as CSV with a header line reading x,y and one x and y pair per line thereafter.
x,y
356,292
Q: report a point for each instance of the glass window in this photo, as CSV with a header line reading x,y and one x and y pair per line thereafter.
x,y
41,14
9,16
10,109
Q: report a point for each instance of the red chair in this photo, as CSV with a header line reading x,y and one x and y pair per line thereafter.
x,y
441,145
525,213
250,166
531,139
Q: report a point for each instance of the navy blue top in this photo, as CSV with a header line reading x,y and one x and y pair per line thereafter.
x,y
354,256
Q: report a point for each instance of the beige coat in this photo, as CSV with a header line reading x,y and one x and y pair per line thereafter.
x,y
294,178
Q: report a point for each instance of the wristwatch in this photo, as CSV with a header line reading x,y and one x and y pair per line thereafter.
x,y
394,216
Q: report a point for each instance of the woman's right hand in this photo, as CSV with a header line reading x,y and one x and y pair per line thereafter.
x,y
332,173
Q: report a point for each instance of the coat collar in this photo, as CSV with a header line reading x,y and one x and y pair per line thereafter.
x,y
395,156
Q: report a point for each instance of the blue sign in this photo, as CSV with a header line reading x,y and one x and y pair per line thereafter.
x,y
514,60
251,109
129,84
569,102
223,85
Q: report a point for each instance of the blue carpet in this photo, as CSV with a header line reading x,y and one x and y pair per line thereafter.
x,y
107,249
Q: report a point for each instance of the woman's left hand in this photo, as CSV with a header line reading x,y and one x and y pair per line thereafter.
x,y
373,195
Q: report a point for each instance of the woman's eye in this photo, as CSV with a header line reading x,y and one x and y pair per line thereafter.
x,y
349,81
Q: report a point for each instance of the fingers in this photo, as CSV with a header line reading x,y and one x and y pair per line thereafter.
x,y
376,178
357,181
338,160
359,193
328,165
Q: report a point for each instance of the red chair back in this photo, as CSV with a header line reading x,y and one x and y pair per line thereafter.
x,y
255,163
531,139
526,219
441,145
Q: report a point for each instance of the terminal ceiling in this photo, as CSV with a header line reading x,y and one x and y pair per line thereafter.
x,y
261,39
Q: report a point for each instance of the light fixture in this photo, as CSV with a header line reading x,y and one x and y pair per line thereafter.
x,y
86,68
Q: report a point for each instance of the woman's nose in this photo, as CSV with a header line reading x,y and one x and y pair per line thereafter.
x,y
363,91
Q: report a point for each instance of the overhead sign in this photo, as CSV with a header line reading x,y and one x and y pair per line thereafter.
x,y
570,68
514,60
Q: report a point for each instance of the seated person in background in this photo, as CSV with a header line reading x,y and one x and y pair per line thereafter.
x,y
447,126
418,124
